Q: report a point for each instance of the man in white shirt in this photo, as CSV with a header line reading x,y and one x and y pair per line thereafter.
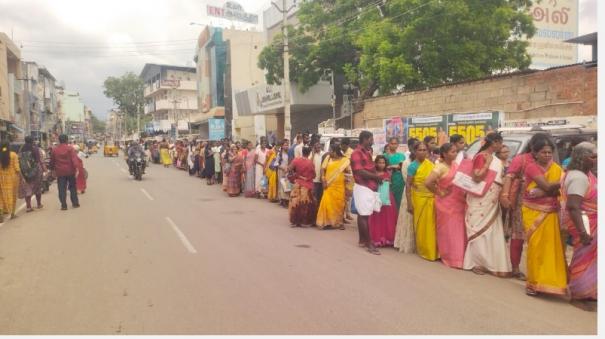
x,y
304,141
316,156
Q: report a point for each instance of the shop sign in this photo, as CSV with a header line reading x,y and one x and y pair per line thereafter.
x,y
232,11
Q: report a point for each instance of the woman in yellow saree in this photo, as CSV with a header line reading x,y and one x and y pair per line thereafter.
x,y
421,203
271,174
546,266
332,206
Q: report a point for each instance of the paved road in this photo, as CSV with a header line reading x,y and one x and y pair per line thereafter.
x,y
170,255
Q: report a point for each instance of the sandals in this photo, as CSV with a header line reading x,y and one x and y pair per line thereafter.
x,y
530,292
478,271
29,210
342,227
373,250
519,276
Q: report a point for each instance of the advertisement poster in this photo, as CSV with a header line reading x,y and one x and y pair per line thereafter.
x,y
421,127
216,129
555,21
473,125
395,128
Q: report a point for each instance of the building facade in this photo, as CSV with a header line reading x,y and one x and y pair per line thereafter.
x,y
226,63
12,121
170,97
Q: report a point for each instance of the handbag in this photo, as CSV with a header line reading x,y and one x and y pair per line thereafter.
x,y
385,193
264,182
464,178
286,185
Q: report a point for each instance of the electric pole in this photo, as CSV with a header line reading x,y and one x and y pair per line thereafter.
x,y
284,11
175,112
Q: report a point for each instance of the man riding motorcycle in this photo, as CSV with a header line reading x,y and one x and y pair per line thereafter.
x,y
135,150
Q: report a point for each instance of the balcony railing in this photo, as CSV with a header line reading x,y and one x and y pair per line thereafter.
x,y
185,85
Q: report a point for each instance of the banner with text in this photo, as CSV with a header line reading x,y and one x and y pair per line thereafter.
x,y
421,127
216,129
473,125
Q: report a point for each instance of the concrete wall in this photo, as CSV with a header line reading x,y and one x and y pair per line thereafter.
x,y
559,92
10,56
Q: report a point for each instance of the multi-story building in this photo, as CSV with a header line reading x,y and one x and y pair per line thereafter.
x,y
12,120
265,103
170,96
41,103
226,63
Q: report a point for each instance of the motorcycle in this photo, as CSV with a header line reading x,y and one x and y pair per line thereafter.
x,y
138,168
47,177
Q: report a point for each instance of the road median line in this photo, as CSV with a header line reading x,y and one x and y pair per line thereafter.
x,y
181,236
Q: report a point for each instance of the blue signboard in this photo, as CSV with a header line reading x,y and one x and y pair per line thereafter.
x,y
216,129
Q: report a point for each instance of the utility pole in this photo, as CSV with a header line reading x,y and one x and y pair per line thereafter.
x,y
175,112
284,11
138,120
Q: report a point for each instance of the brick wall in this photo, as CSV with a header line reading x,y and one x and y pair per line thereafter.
x,y
559,92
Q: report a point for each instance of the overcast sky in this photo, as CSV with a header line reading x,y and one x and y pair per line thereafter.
x,y
82,42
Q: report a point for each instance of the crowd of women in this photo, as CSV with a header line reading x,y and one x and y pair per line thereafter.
x,y
420,206
22,175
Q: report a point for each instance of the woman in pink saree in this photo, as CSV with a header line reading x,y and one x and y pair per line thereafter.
x,y
579,193
450,204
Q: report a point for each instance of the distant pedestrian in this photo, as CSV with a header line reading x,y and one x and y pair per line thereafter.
x,y
32,169
64,162
81,172
333,176
10,174
165,153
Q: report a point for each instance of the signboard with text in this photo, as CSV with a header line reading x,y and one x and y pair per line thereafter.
x,y
421,127
216,129
232,11
555,21
473,125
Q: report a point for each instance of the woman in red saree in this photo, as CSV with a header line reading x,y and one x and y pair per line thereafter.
x,y
302,207
579,193
81,173
450,205
235,164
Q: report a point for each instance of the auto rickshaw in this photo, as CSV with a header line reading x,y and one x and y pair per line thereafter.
x,y
110,150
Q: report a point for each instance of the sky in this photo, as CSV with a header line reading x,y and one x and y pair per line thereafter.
x,y
82,42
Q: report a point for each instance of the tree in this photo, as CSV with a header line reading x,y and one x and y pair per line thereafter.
x,y
98,126
393,44
126,92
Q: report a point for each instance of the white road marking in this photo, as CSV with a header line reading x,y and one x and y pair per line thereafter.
x,y
182,236
147,194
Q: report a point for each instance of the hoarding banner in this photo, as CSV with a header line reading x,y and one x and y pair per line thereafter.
x,y
395,128
216,129
232,11
473,125
555,21
421,127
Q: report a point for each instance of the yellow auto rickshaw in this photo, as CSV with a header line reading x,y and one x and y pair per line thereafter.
x,y
110,150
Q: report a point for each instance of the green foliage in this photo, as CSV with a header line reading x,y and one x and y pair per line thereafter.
x,y
98,126
126,92
403,43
